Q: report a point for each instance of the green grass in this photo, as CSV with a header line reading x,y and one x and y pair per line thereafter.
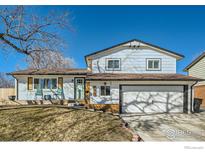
x,y
42,123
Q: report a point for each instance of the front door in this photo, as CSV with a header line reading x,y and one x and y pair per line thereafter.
x,y
79,88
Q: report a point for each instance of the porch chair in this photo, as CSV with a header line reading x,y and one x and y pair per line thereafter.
x,y
58,93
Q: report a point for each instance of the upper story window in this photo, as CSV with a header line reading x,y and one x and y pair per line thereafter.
x,y
113,64
153,64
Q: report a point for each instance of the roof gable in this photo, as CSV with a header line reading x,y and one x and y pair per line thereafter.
x,y
136,44
195,61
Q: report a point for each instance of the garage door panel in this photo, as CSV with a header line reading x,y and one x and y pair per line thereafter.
x,y
143,107
175,103
153,88
152,99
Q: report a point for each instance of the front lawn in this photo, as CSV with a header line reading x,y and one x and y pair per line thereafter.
x,y
41,123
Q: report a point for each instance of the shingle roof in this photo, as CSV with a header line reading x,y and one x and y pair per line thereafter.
x,y
155,77
50,72
107,76
195,61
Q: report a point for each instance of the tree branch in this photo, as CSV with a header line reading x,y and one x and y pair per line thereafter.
x,y
13,45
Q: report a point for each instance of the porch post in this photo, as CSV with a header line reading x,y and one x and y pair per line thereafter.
x,y
87,92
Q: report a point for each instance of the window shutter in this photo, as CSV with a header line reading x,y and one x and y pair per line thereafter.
x,y
60,82
94,91
30,83
90,64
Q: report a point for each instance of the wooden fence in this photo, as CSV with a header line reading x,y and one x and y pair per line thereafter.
x,y
5,92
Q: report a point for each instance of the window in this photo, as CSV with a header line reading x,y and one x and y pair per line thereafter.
x,y
53,83
113,64
105,90
153,64
36,84
45,83
79,81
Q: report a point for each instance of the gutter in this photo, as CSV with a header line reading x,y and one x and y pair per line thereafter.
x,y
12,74
191,96
17,89
123,79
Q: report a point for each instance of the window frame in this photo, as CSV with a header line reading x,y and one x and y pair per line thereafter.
x,y
45,79
34,83
153,59
79,79
105,91
56,85
112,59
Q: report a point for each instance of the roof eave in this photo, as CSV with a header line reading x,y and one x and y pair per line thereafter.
x,y
146,79
186,69
52,74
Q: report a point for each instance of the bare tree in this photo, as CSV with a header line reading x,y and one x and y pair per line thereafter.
x,y
28,34
50,60
5,82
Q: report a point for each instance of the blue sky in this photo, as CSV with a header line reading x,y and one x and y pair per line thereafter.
x,y
177,28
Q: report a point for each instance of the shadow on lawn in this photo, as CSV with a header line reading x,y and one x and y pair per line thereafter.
x,y
51,124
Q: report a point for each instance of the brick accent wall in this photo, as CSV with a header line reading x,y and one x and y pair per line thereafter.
x,y
106,107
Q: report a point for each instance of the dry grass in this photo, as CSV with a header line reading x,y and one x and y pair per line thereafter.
x,y
59,124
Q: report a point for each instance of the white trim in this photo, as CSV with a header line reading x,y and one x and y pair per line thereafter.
x,y
46,78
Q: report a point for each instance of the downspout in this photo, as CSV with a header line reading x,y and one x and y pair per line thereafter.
x,y
16,87
191,96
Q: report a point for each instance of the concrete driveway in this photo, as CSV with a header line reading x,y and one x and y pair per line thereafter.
x,y
168,127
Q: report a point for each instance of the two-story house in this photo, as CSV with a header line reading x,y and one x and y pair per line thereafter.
x,y
131,77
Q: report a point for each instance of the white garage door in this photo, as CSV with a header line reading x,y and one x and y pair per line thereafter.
x,y
152,99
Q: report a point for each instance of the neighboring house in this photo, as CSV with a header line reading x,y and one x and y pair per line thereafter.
x,y
197,69
131,77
